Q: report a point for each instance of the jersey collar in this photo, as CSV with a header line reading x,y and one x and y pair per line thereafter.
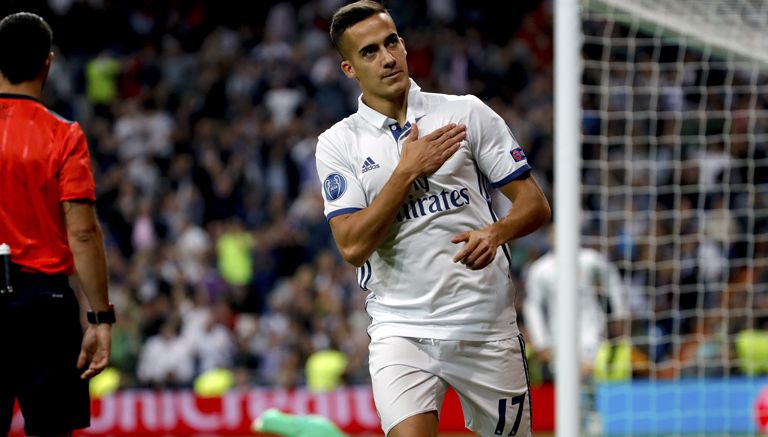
x,y
415,111
18,96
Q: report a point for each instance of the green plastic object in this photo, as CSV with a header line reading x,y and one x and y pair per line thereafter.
x,y
276,422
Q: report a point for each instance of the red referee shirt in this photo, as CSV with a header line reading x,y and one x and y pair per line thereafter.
x,y
44,160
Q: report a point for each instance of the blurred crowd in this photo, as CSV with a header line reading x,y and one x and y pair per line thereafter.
x,y
675,190
202,119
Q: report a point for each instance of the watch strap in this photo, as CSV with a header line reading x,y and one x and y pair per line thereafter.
x,y
97,317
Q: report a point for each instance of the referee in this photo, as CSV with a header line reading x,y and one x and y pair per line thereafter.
x,y
48,220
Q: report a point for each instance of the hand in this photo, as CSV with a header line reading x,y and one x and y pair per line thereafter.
x,y
97,344
423,156
479,248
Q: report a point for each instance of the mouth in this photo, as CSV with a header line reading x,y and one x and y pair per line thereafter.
x,y
391,75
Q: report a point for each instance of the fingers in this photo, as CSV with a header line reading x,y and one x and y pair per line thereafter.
x,y
456,133
82,359
464,236
437,133
478,259
427,154
468,248
448,133
447,153
481,262
413,135
414,132
450,142
476,253
90,373
98,364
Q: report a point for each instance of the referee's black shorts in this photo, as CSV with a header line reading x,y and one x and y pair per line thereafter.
x,y
40,339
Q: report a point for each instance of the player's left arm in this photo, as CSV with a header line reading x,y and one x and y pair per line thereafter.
x,y
617,293
530,210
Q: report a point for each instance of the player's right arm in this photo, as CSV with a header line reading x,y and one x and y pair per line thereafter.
x,y
359,233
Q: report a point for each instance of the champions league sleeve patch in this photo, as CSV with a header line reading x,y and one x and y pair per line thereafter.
x,y
334,186
518,154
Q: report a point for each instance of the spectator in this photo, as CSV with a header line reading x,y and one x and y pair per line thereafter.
x,y
166,359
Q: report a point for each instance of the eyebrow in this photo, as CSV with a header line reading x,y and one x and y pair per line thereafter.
x,y
373,45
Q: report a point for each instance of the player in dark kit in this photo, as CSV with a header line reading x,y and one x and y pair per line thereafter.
x,y
48,220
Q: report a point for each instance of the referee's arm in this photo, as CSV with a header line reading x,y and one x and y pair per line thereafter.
x,y
87,245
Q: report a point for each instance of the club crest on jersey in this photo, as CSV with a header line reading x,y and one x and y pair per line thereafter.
x,y
334,186
369,164
518,154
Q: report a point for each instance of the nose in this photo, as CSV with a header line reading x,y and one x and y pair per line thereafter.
x,y
389,59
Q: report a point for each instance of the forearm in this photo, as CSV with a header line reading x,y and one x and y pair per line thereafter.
x,y
618,294
520,222
358,234
529,212
91,267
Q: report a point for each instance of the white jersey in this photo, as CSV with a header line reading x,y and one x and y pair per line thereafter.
x,y
416,288
596,275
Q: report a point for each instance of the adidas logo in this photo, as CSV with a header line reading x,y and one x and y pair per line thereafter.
x,y
368,164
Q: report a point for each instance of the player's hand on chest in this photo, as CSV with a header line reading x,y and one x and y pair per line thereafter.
x,y
376,164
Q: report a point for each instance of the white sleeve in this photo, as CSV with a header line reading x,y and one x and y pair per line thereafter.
x,y
533,308
616,290
342,191
496,151
607,276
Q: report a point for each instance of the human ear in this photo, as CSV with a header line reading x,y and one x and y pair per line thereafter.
x,y
348,69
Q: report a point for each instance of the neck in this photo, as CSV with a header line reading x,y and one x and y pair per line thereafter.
x,y
396,107
32,88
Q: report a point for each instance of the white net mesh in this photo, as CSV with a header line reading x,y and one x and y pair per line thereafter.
x,y
675,192
737,26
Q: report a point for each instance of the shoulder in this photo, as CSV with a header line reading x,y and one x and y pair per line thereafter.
x,y
479,109
62,127
65,133
57,122
340,134
469,109
452,102
58,118
43,117
543,266
592,258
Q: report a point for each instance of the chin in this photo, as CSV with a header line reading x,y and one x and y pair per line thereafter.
x,y
399,87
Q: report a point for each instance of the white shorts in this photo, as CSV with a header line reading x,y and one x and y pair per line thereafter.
x,y
410,376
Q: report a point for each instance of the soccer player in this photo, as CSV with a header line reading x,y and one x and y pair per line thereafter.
x,y
602,300
407,182
48,220
602,305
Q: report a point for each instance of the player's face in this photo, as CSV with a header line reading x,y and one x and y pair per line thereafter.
x,y
375,56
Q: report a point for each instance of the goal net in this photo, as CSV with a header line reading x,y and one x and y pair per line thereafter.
x,y
675,193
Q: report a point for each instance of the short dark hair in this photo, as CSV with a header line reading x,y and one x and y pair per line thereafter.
x,y
351,14
25,42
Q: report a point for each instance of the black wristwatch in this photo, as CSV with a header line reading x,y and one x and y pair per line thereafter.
x,y
97,317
